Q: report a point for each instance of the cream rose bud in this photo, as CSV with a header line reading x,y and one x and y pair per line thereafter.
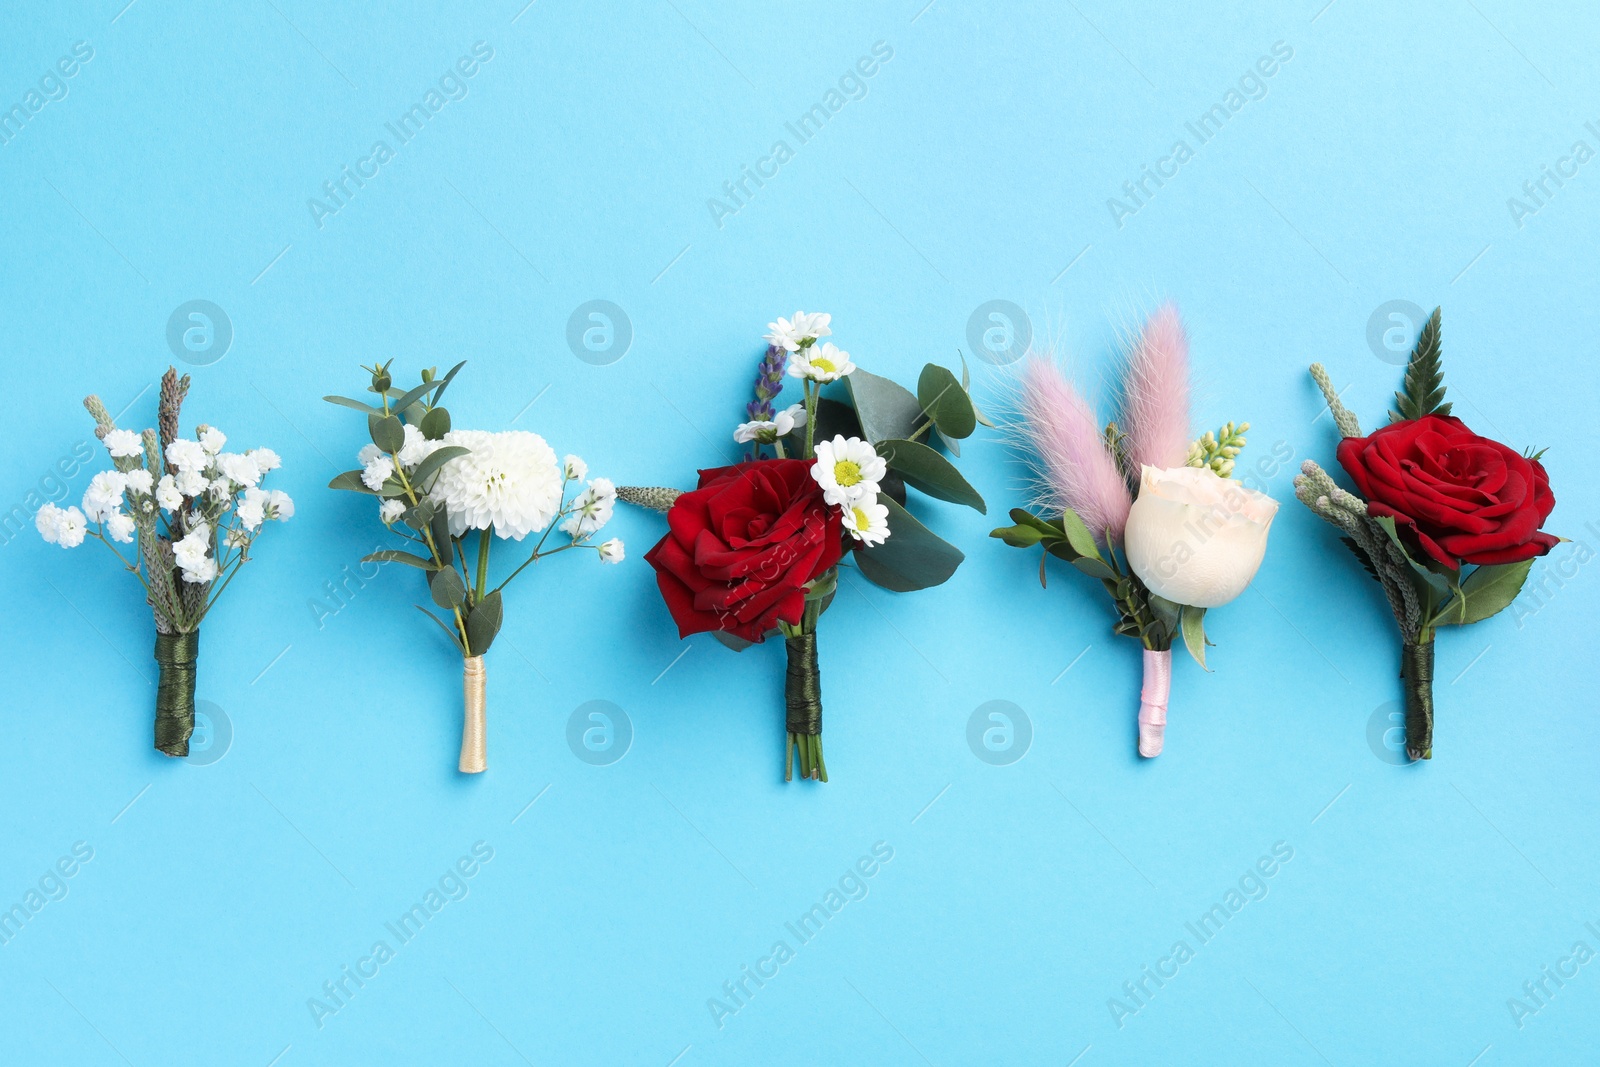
x,y
1194,537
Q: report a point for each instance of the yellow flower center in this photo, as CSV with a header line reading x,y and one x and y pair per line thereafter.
x,y
847,473
860,515
826,366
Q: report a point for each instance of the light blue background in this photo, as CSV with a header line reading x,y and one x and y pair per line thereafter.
x,y
1020,898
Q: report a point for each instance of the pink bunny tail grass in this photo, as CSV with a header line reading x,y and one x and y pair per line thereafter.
x,y
1156,393
1075,469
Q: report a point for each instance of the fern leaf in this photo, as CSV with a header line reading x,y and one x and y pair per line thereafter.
x,y
1423,393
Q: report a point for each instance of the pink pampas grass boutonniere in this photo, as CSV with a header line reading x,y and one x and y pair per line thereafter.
x,y
1076,471
1156,393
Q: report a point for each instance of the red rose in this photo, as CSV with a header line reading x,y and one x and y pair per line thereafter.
x,y
1463,498
743,546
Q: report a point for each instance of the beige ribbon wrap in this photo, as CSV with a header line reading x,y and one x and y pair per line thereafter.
x,y
474,686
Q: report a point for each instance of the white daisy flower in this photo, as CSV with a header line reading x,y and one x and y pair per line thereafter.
x,y
826,362
767,432
574,469
120,527
61,526
212,439
391,510
848,470
793,334
377,471
167,494
124,443
104,495
591,509
509,482
186,456
867,521
611,551
139,481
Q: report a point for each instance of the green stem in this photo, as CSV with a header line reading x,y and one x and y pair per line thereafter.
x,y
483,562
812,391
920,430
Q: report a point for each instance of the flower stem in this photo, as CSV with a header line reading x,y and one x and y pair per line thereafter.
x,y
483,563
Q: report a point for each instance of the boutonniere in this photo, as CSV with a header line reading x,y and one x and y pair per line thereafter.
x,y
1447,521
449,494
190,514
1189,536
756,549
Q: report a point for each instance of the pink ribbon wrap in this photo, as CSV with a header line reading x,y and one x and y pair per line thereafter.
x,y
1153,701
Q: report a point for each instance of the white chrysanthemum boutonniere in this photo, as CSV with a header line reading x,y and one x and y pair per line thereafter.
x,y
191,513
449,494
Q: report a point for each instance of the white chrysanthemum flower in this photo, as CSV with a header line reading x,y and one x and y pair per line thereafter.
x,y
391,510
167,494
205,571
509,482
279,505
189,552
239,469
120,527
104,495
377,471
591,509
252,510
191,483
123,444
368,453
611,551
826,362
187,456
265,459
867,521
212,440
792,334
573,468
417,448
848,470
139,481
61,526
767,431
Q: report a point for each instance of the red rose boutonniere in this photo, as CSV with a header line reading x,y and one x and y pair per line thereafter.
x,y
1447,521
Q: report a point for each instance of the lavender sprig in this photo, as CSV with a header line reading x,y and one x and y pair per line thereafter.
x,y
769,383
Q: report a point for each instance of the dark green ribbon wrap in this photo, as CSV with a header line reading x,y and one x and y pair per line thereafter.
x,y
802,690
1416,670
177,657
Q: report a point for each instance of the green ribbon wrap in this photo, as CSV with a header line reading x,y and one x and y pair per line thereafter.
x,y
802,689
177,658
1416,670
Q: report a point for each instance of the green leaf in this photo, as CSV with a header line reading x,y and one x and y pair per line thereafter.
x,y
1192,621
407,399
447,588
344,401
484,623
1018,536
389,555
1167,612
438,458
913,557
823,587
1488,590
351,480
1094,567
1078,535
1429,585
738,644
455,639
439,530
444,383
886,411
945,402
1424,382
421,515
927,470
388,432
435,424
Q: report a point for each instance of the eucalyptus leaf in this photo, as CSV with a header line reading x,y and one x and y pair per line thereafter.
x,y
435,424
351,481
925,469
913,557
886,411
344,401
1192,621
407,399
834,418
1488,590
455,638
388,432
432,462
421,515
389,555
945,402
444,383
447,588
484,623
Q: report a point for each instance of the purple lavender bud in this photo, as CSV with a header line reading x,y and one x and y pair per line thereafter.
x,y
769,383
